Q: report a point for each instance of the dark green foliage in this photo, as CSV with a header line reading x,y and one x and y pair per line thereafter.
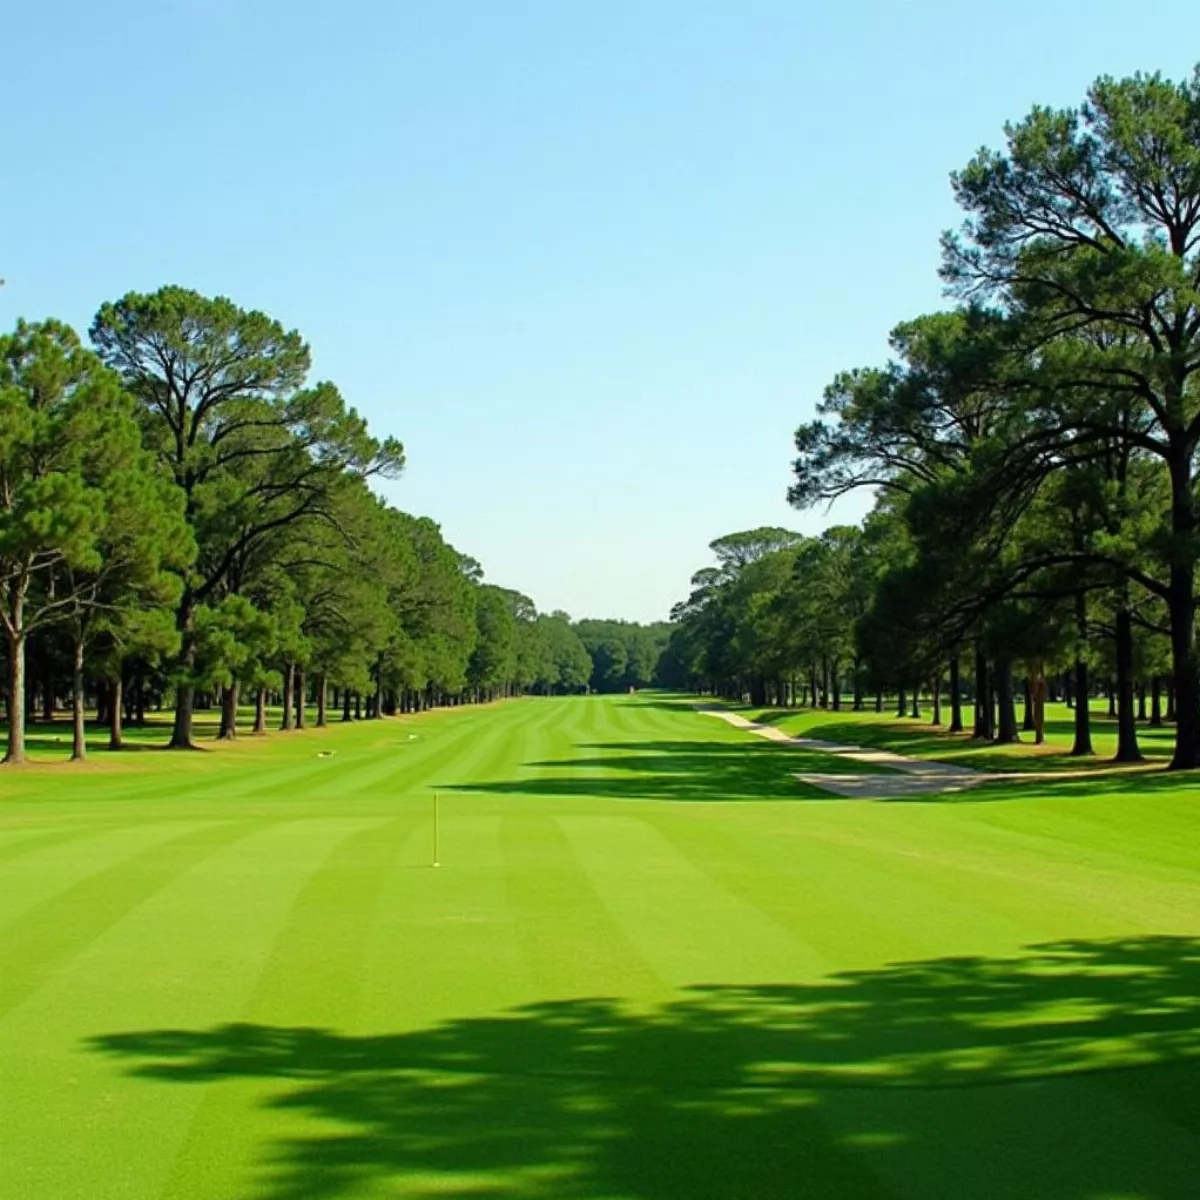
x,y
185,513
624,654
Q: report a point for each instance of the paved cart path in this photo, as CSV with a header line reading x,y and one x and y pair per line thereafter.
x,y
914,776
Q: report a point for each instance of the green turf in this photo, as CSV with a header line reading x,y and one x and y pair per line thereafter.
x,y
919,738
652,966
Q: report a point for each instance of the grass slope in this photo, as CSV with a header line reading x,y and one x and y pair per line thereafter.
x,y
652,966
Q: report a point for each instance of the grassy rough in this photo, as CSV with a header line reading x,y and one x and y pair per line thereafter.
x,y
919,738
652,967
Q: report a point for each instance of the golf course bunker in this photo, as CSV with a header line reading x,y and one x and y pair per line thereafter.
x,y
900,776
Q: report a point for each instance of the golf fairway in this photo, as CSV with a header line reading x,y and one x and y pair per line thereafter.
x,y
651,966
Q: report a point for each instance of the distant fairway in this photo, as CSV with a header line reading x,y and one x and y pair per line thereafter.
x,y
652,966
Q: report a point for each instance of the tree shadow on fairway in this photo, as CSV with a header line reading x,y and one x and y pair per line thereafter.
x,y
674,770
1071,1070
663,702
912,737
693,771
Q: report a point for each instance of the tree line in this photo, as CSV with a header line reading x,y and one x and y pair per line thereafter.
x,y
187,520
1032,452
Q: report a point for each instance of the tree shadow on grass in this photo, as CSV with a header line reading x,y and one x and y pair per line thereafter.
x,y
1148,781
918,738
665,701
41,741
1070,1070
674,770
756,770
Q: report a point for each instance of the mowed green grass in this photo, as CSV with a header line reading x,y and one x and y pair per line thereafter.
x,y
919,738
651,966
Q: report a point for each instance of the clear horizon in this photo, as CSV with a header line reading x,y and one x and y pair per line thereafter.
x,y
592,267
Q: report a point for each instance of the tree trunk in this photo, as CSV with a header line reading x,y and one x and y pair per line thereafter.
x,y
181,732
260,709
1112,699
902,704
858,686
1082,688
916,703
1127,740
1035,681
289,679
1082,746
835,685
377,711
983,698
879,701
116,712
937,701
1027,723
322,693
358,706
1141,701
956,721
15,752
1181,605
1170,686
345,704
1006,731
300,697
78,715
229,707
1156,717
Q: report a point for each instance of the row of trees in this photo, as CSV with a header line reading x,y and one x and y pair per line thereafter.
x,y
186,518
1032,450
624,654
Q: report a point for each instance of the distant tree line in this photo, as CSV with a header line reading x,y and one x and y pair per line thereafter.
x,y
186,521
624,654
1032,452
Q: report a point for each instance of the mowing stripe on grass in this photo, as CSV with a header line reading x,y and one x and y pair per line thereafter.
x,y
315,969
38,877
439,933
569,938
67,923
32,840
187,958
697,930
1044,887
311,977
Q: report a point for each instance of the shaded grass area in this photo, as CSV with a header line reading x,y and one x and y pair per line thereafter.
x,y
737,767
847,1087
918,739
50,741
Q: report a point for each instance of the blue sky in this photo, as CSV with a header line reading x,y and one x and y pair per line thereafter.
x,y
592,263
